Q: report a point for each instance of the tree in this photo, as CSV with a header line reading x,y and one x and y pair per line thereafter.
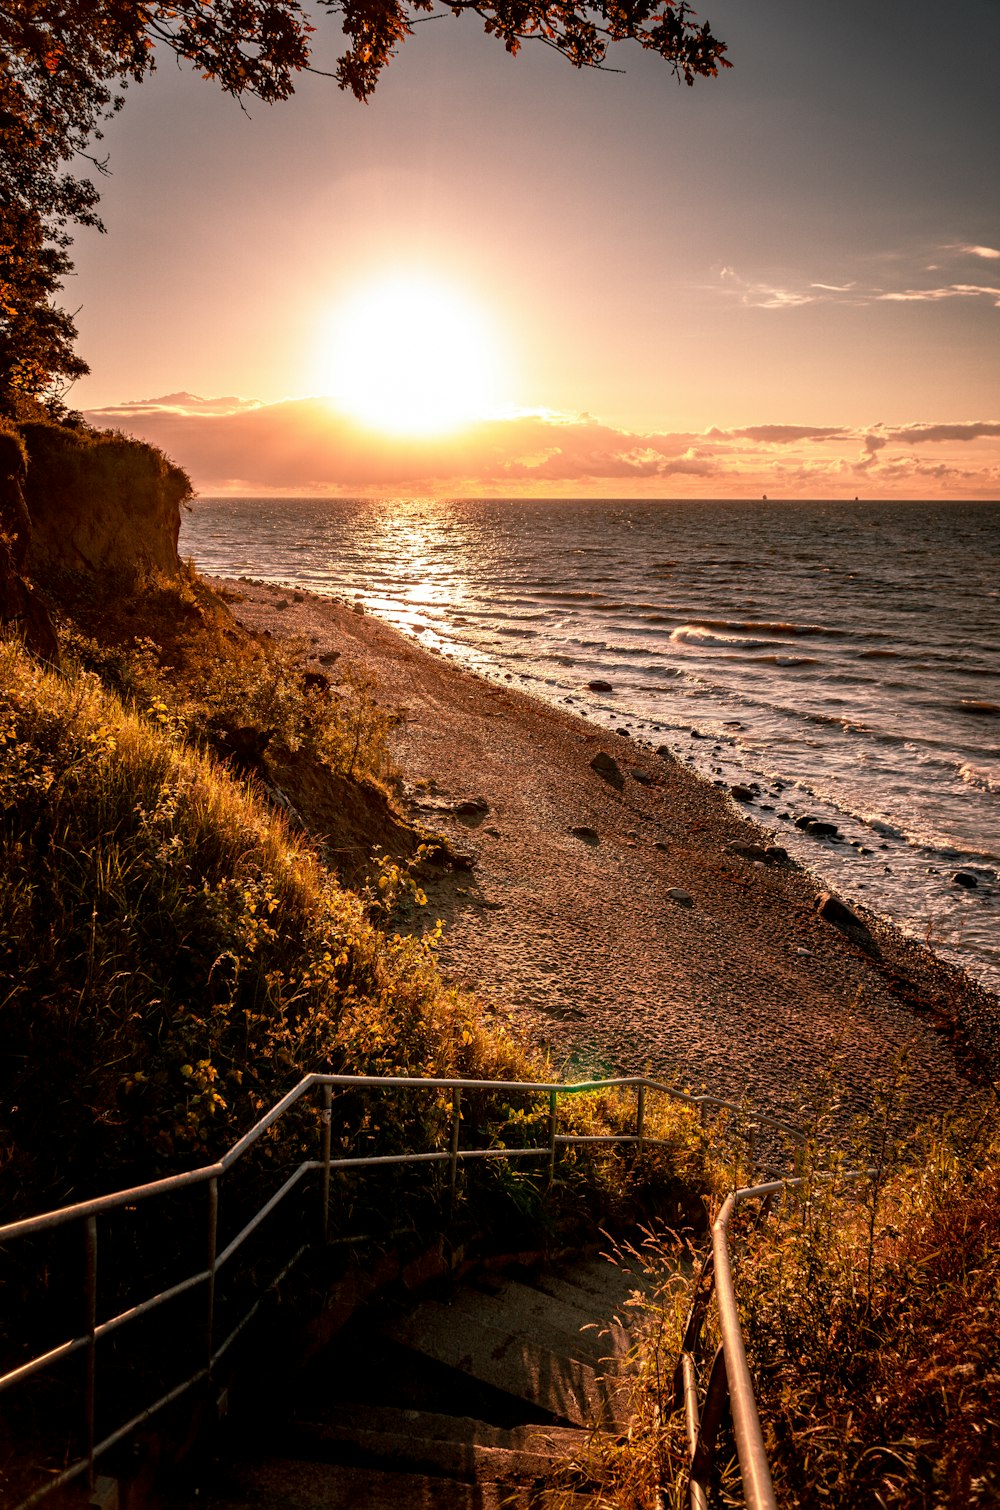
x,y
62,61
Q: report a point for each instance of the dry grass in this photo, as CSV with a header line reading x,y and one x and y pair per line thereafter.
x,y
172,957
870,1315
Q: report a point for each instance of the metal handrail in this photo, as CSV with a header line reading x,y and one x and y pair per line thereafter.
x,y
729,1377
88,1212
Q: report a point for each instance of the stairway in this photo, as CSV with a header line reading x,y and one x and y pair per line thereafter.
x,y
458,1403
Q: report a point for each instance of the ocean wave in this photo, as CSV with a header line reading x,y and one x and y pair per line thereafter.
x,y
978,707
982,780
770,626
697,636
786,660
563,596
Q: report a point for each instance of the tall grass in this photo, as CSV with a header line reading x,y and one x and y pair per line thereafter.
x,y
869,1311
172,958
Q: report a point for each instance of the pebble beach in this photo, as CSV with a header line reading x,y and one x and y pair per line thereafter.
x,y
638,923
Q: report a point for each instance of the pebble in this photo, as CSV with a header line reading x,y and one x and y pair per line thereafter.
x,y
680,896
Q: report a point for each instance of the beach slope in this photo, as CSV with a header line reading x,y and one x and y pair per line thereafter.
x,y
618,926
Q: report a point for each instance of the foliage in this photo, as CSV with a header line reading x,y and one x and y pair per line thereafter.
x,y
36,337
62,60
89,469
171,959
225,691
869,1313
871,1321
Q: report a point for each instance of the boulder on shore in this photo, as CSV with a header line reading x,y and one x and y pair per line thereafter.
x,y
608,769
818,828
840,915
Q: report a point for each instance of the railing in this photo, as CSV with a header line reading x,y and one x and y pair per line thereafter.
x,y
205,1278
729,1376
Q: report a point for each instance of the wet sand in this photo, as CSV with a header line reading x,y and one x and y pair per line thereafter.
x,y
744,990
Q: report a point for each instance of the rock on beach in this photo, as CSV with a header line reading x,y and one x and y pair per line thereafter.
x,y
608,769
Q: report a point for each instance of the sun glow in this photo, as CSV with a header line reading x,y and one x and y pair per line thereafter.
x,y
412,356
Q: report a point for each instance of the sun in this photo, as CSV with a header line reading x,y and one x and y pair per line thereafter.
x,y
413,356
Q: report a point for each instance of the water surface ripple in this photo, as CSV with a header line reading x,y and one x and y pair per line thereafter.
x,y
846,658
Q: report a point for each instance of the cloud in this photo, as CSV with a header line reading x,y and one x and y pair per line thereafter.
x,y
308,447
781,435
181,403
761,293
948,291
965,431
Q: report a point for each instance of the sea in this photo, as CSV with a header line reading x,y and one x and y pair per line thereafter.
x,y
840,660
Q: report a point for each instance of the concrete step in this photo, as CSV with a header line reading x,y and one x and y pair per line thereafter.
x,y
579,1330
553,1442
458,1404
594,1280
284,1484
287,1484
458,1456
569,1390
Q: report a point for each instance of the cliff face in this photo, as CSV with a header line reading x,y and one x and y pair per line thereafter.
x,y
100,502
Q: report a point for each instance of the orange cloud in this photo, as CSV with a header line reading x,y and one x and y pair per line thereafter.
x,y
305,446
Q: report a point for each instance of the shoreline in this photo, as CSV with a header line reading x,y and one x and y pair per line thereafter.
x,y
738,985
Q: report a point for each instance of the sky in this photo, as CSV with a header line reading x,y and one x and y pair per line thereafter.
x,y
507,276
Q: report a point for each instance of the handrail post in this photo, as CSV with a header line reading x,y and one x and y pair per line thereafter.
x,y
90,1305
640,1116
326,1124
213,1237
456,1123
702,1439
552,1136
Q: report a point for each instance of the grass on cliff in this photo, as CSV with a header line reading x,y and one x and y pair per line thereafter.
x,y
173,957
316,739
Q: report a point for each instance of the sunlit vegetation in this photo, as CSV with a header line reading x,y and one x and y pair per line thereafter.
x,y
869,1312
173,957
175,954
